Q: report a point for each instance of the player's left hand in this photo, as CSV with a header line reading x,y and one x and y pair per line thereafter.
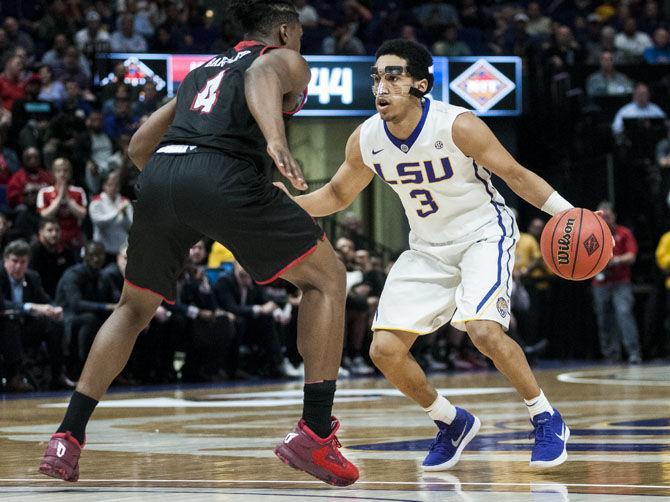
x,y
287,165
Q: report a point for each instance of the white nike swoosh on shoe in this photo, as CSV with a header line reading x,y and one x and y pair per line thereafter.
x,y
460,438
562,435
290,437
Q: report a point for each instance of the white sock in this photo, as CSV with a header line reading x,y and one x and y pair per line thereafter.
x,y
441,410
538,405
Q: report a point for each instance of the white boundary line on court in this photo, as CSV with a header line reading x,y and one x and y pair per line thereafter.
x,y
583,378
302,482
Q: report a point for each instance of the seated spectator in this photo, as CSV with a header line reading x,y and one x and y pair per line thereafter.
x,y
214,350
663,151
254,322
22,292
9,161
6,46
607,81
450,45
308,15
660,52
75,103
613,295
21,109
123,164
5,224
121,121
538,25
30,177
641,107
342,40
72,69
148,100
102,149
65,202
564,52
55,57
12,83
48,256
86,302
631,42
125,39
18,37
52,90
93,39
607,36
111,215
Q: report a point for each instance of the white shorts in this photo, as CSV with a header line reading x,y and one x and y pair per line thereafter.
x,y
465,280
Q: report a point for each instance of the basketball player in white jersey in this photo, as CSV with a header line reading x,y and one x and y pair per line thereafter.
x,y
439,158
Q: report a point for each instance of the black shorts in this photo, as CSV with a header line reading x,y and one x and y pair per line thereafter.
x,y
185,197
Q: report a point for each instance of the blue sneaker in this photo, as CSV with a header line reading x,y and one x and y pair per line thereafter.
x,y
551,436
445,450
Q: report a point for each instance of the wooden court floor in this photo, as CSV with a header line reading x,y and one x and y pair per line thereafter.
x,y
215,443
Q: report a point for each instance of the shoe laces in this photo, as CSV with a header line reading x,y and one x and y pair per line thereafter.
x,y
438,442
540,433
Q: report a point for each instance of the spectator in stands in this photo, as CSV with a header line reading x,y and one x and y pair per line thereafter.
x,y
450,45
65,202
607,81
607,36
125,39
48,256
342,40
613,295
255,323
123,164
85,300
102,149
215,346
121,122
639,108
72,69
93,39
651,17
40,321
12,83
9,161
6,46
148,100
538,25
309,17
663,151
5,224
564,52
660,52
31,177
16,36
663,263
631,42
55,57
51,90
111,215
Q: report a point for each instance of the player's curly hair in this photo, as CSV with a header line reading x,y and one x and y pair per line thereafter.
x,y
259,16
419,60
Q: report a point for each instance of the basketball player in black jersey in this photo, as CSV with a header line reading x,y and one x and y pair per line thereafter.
x,y
210,176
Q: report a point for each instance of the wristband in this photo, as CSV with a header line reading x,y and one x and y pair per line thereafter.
x,y
555,204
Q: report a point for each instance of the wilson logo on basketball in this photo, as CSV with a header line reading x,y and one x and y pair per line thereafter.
x,y
564,242
591,245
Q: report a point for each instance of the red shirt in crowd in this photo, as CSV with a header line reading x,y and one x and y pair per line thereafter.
x,y
11,91
20,179
70,227
624,243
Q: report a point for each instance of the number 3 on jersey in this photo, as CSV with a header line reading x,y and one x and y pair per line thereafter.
x,y
206,98
426,199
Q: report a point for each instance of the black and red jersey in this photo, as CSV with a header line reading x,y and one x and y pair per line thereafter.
x,y
212,108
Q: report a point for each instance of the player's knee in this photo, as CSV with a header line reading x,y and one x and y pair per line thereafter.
x,y
382,352
485,336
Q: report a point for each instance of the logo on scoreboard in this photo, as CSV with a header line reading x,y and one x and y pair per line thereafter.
x,y
482,85
137,74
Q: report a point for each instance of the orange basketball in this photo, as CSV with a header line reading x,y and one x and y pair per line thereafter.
x,y
576,244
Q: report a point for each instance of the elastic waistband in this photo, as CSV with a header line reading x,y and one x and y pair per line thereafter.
x,y
185,149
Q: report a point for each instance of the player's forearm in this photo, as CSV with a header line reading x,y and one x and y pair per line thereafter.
x,y
263,91
321,202
536,191
146,139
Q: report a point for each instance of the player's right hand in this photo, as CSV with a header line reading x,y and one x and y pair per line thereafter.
x,y
287,165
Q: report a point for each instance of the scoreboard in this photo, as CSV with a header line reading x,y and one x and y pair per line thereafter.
x,y
341,85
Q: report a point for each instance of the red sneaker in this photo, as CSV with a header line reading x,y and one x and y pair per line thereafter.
x,y
61,460
303,449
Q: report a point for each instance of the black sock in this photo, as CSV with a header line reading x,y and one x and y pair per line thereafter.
x,y
76,417
317,406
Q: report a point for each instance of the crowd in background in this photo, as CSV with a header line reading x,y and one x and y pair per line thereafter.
x,y
66,181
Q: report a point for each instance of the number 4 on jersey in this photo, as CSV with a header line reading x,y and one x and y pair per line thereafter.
x,y
206,98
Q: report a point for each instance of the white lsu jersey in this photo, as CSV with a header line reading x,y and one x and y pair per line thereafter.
x,y
446,195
